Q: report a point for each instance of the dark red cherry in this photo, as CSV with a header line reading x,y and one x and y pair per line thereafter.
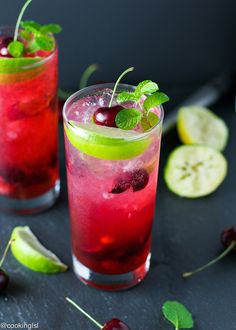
x,y
228,236
106,116
4,42
4,280
121,186
139,179
115,324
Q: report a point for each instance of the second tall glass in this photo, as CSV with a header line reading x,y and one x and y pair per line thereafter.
x,y
29,179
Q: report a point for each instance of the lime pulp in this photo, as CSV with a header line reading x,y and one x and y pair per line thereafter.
x,y
195,171
198,125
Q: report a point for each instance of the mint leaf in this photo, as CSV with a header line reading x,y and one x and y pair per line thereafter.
x,y
126,96
31,26
51,28
152,118
178,315
154,100
148,121
16,48
25,35
146,87
45,42
32,46
128,118
145,124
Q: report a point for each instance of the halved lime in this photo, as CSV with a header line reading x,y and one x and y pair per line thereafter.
x,y
195,171
14,65
106,142
198,125
31,253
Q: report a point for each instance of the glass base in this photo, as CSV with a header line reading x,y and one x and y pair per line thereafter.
x,y
32,205
111,282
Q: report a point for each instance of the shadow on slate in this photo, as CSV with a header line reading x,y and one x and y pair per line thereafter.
x,y
185,235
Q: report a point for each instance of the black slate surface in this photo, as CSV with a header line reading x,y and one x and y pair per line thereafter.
x,y
186,235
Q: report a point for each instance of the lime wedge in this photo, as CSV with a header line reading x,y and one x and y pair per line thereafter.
x,y
195,171
198,125
14,65
106,142
31,253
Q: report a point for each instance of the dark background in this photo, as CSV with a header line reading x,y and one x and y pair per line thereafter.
x,y
180,44
172,42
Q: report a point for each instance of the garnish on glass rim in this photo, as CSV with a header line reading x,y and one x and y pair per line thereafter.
x,y
113,324
129,118
36,36
178,315
228,239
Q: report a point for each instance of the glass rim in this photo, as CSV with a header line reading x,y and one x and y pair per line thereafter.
x,y
137,136
37,63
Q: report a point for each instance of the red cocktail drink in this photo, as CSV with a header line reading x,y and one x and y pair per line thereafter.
x,y
112,178
28,132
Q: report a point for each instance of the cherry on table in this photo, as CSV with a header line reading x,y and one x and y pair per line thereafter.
x,y
115,324
228,236
4,280
4,42
106,116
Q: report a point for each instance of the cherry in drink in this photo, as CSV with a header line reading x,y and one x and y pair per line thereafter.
x,y
29,180
112,178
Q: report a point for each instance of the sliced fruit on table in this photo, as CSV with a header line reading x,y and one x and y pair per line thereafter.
x,y
195,171
198,125
31,253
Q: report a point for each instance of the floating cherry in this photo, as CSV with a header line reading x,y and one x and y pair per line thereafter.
x,y
137,179
106,116
4,277
114,324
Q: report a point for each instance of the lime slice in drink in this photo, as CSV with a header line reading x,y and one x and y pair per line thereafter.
x,y
14,65
106,142
195,171
198,125
31,253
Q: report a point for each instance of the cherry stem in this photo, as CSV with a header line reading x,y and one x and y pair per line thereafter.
x,y
85,313
222,255
5,251
117,82
87,74
20,18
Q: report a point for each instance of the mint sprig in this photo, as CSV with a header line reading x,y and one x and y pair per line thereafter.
x,y
154,100
42,37
177,314
37,37
144,87
147,119
128,118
